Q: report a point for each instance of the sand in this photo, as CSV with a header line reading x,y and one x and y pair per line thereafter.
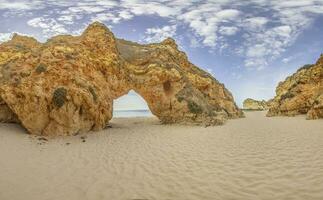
x,y
251,158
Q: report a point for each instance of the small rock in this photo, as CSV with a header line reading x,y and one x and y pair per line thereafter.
x,y
109,126
42,139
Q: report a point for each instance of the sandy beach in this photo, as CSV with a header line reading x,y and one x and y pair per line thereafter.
x,y
138,158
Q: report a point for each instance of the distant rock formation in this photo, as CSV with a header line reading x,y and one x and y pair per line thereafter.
x,y
301,93
251,104
67,85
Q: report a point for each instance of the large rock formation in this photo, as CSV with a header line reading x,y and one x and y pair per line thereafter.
x,y
301,93
251,104
67,85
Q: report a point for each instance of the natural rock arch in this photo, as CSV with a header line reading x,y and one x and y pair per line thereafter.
x,y
67,85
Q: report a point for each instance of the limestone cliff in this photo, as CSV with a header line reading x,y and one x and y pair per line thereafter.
x,y
251,104
67,85
301,93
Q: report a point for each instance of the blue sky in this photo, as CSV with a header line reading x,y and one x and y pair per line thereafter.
x,y
248,45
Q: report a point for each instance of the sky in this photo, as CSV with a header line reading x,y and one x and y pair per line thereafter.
x,y
248,45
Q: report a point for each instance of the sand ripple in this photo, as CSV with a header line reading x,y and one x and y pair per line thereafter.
x,y
250,158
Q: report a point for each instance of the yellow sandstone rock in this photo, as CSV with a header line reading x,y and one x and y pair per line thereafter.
x,y
67,85
251,104
301,93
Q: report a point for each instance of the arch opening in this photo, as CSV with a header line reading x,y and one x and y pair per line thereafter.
x,y
131,105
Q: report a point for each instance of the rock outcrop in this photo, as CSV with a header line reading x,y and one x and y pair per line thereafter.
x,y
67,85
251,104
301,93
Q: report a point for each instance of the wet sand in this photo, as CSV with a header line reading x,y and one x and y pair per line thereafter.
x,y
251,158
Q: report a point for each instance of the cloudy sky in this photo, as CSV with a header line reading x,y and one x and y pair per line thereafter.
x,y
248,45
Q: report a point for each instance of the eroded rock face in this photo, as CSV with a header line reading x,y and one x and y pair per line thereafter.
x,y
67,85
300,93
6,115
251,104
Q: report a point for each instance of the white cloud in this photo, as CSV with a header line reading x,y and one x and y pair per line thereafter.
x,y
205,20
194,42
115,18
20,5
267,45
5,37
67,19
158,34
298,3
286,60
283,31
228,14
293,57
139,7
49,26
87,9
210,22
257,63
228,30
259,50
106,17
125,14
255,23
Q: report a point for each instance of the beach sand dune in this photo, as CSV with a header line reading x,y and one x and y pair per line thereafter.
x,y
138,158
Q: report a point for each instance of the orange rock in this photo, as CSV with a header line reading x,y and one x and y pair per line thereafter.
x,y
67,85
301,93
251,104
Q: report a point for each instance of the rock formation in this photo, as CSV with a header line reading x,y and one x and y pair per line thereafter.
x,y
67,85
301,93
251,104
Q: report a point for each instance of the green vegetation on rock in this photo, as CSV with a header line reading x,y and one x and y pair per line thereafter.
x,y
41,68
194,108
307,66
180,99
288,95
94,95
59,97
24,74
